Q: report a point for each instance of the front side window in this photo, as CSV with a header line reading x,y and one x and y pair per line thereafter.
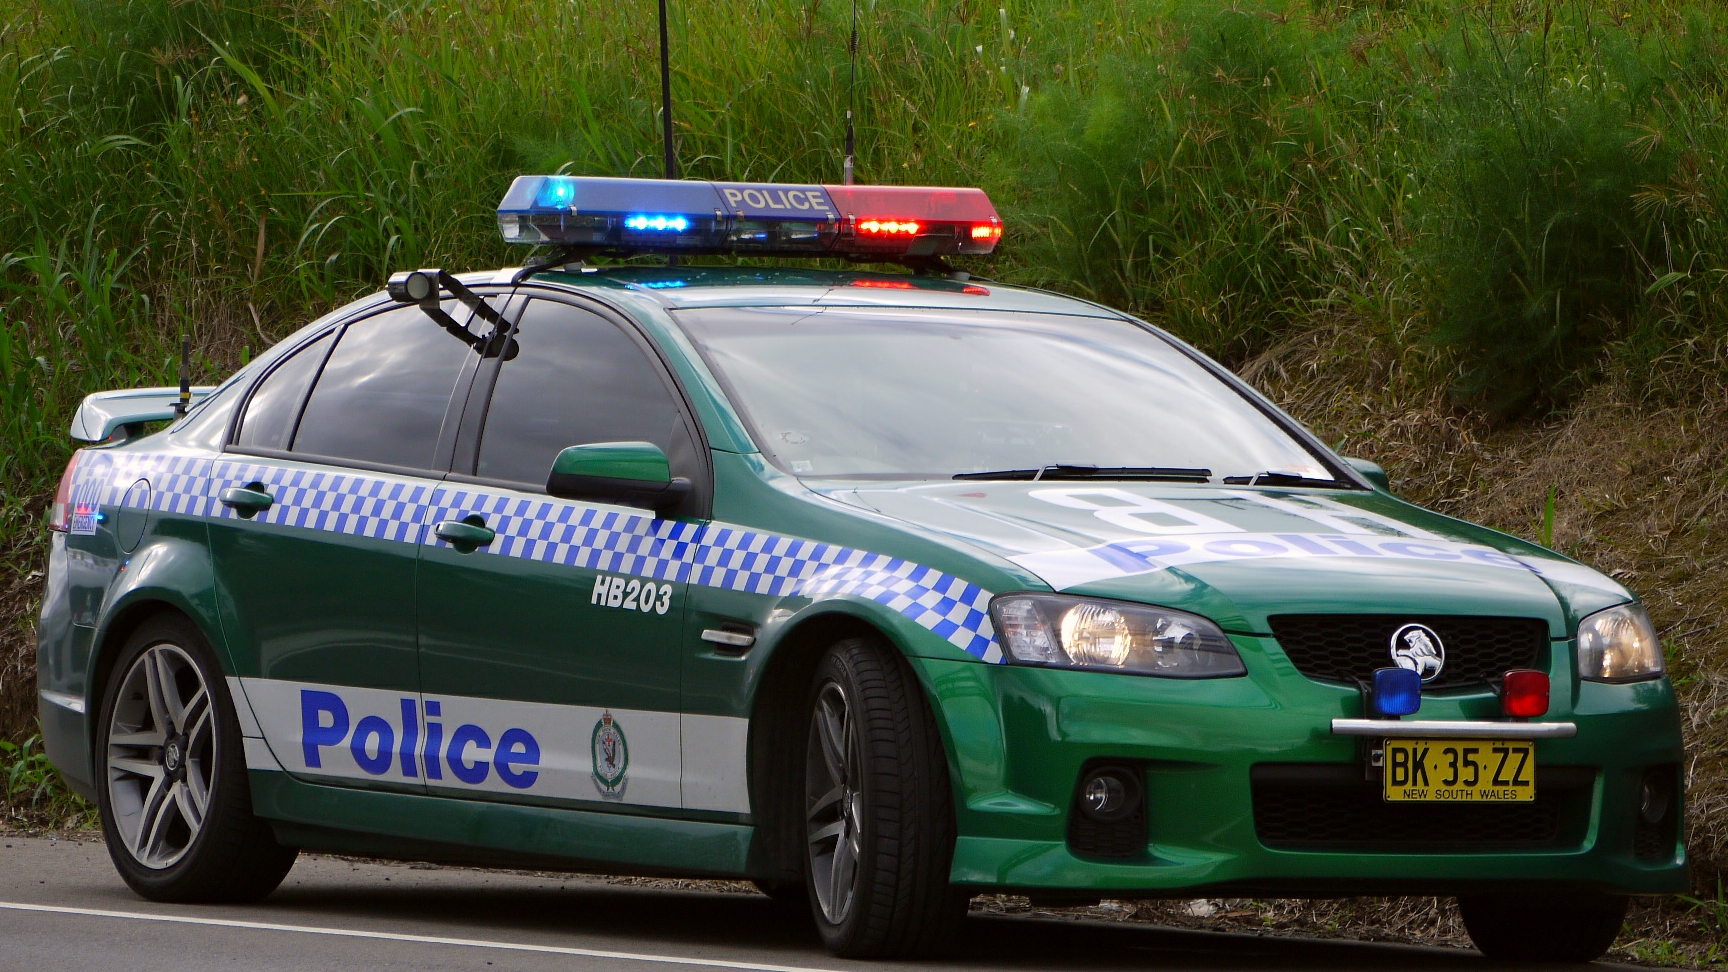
x,y
576,379
382,396
923,394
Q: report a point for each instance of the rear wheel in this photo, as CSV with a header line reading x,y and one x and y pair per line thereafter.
x,y
173,797
1542,928
879,821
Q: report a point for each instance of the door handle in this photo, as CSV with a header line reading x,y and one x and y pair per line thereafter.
x,y
247,501
467,534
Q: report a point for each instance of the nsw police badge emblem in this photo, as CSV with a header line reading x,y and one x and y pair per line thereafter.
x,y
611,754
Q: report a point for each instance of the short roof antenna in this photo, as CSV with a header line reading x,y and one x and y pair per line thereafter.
x,y
851,98
184,402
666,95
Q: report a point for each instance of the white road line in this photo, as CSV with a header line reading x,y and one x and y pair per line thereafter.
x,y
421,939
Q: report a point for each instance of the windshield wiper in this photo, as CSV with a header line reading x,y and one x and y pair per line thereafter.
x,y
1282,479
1061,471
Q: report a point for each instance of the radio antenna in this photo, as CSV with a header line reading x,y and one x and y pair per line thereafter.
x,y
851,97
666,95
184,401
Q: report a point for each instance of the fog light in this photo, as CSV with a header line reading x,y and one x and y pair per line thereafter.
x,y
1109,794
1524,694
1653,798
1397,691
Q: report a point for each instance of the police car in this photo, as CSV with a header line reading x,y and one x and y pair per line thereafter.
x,y
881,590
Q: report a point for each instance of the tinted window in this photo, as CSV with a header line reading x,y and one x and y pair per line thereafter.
x,y
383,394
270,415
207,422
929,394
577,379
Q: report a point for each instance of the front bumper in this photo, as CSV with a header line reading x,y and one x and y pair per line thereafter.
x,y
1019,739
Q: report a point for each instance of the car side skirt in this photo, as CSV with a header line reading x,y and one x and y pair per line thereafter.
x,y
344,820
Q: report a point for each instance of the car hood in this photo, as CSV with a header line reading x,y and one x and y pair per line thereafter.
x,y
1239,555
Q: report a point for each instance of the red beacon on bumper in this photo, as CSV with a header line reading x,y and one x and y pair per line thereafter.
x,y
1524,694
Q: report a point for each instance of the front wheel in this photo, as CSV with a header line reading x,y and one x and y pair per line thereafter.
x,y
173,797
1542,928
878,811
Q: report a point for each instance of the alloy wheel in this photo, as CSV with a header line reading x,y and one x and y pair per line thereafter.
x,y
833,804
161,756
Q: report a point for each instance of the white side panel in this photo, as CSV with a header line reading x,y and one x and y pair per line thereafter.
x,y
715,776
243,710
259,756
462,743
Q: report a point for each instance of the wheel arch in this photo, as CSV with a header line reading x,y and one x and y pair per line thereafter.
x,y
776,740
123,621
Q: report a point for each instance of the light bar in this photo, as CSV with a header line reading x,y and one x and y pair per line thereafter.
x,y
884,223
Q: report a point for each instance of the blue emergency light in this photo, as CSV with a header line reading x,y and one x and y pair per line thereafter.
x,y
885,223
1397,691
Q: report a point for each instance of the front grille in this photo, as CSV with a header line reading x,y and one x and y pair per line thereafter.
x,y
1328,806
1348,647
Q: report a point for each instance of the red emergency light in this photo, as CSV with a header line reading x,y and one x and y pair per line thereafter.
x,y
1524,693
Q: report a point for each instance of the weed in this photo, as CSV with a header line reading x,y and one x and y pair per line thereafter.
x,y
33,794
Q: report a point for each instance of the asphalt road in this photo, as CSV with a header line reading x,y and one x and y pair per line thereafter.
x,y
63,908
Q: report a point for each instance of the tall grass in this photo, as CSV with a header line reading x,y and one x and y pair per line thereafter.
x,y
1533,185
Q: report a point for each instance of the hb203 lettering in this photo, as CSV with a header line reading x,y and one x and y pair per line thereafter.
x,y
631,594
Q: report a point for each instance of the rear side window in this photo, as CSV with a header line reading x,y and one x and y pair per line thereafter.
x,y
275,405
383,394
578,379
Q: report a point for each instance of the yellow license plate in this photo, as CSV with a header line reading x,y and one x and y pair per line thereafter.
x,y
1460,770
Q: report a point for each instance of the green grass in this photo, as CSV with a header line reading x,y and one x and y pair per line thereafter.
x,y
32,795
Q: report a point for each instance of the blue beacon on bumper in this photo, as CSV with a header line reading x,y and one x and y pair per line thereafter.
x,y
1397,691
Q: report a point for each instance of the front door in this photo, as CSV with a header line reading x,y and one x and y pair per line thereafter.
x,y
319,505
551,650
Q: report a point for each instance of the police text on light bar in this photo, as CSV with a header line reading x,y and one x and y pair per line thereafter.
x,y
658,215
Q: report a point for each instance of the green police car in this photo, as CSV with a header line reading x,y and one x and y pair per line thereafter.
x,y
881,590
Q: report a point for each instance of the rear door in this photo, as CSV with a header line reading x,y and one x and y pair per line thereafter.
x,y
552,651
320,503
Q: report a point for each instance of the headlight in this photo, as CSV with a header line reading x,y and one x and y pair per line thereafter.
x,y
1077,632
1618,645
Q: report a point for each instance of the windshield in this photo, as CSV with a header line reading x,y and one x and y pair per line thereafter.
x,y
926,394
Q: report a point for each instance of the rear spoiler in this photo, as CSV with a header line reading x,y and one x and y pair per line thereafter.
x,y
102,414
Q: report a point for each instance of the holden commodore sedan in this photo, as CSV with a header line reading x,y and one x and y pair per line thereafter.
x,y
880,590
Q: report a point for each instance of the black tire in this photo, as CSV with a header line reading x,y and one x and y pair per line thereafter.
x,y
892,805
1542,927
183,853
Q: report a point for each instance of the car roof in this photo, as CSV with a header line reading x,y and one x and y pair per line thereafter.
x,y
686,288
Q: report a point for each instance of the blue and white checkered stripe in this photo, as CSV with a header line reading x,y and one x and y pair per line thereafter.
x,y
722,556
575,536
554,531
178,483
357,504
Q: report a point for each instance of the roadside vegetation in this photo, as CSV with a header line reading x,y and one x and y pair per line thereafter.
x,y
1482,243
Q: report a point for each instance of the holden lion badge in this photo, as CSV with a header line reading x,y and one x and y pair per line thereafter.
x,y
1418,648
611,757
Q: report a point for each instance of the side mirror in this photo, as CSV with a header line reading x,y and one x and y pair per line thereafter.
x,y
626,473
1371,471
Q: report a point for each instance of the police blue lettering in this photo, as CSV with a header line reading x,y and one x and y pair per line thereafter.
x,y
314,705
517,747
410,737
434,743
375,761
472,773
